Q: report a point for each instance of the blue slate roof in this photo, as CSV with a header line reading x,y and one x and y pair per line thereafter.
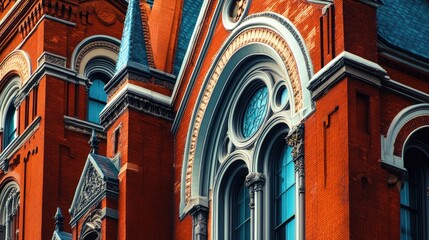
x,y
405,25
190,12
133,46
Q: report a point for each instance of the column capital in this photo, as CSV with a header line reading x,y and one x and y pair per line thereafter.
x,y
255,180
295,139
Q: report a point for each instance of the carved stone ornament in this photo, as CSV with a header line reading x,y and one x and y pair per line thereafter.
x,y
295,139
93,185
52,59
255,182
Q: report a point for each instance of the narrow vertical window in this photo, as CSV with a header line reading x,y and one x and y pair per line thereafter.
x,y
284,201
10,126
35,89
362,112
116,142
97,100
240,211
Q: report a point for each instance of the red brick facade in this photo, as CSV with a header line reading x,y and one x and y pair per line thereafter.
x,y
358,106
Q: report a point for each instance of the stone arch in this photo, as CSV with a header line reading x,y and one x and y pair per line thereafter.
x,y
269,35
405,123
18,63
97,46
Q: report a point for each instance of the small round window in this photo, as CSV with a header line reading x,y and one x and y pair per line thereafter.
x,y
233,12
255,112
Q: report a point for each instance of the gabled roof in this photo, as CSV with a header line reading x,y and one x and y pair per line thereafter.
x,y
404,25
60,235
99,178
133,46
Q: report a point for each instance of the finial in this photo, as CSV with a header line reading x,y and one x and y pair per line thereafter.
x,y
59,220
93,142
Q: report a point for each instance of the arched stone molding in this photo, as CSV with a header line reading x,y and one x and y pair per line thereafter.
x,y
97,46
268,36
405,123
17,62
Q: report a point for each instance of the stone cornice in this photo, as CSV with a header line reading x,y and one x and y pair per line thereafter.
x,y
83,127
137,98
139,72
345,64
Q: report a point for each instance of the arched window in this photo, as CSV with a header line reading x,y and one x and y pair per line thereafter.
x,y
9,211
10,125
251,126
414,198
284,196
98,70
97,99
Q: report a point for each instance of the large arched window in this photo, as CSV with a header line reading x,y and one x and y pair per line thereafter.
x,y
251,126
9,211
414,198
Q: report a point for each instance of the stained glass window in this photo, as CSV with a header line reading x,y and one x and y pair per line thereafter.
x,y
255,112
285,196
97,100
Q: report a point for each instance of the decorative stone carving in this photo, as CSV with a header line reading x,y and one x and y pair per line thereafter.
x,y
93,185
92,224
199,222
52,59
17,62
255,182
138,103
253,35
295,139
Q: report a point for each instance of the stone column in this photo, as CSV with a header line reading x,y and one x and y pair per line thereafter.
x,y
295,139
199,222
255,182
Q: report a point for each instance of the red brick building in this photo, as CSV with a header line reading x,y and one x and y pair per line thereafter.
x,y
246,119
